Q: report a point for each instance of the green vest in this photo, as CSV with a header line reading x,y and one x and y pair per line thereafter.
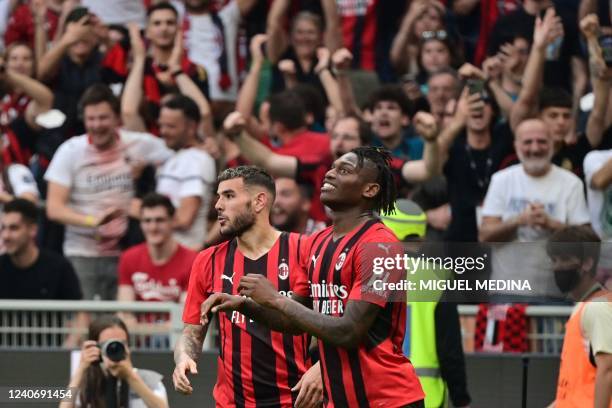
x,y
420,341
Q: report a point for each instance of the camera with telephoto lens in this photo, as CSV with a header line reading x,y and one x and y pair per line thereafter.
x,y
113,349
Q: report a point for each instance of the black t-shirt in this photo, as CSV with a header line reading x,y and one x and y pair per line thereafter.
x,y
303,77
556,73
571,157
50,277
468,173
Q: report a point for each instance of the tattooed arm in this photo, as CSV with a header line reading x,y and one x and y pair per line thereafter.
x,y
186,353
280,313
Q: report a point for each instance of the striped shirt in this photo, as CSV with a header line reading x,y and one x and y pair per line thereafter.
x,y
257,367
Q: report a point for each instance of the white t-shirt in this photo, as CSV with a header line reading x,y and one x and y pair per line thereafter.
x,y
204,44
189,173
510,191
117,11
99,180
600,203
22,181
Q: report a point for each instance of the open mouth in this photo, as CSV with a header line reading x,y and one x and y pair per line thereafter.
x,y
327,186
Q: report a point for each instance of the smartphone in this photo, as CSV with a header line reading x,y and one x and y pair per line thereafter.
x,y
476,86
605,42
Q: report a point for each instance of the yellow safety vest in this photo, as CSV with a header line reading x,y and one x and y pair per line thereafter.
x,y
420,341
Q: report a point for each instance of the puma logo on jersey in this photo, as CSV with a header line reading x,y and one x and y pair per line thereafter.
x,y
384,248
314,261
229,278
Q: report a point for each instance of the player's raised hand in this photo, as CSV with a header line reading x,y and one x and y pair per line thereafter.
x,y
179,376
219,302
310,388
258,288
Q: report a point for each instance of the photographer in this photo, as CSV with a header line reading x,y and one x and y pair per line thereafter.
x,y
105,376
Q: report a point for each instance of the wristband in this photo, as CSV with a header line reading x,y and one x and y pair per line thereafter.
x,y
176,73
90,221
320,70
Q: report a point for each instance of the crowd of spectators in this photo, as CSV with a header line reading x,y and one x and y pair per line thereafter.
x,y
116,117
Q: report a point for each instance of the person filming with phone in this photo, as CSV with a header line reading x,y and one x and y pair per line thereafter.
x,y
106,377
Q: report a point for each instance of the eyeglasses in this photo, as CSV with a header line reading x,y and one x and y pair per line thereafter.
x,y
434,35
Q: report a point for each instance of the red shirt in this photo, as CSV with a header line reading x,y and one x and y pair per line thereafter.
x,y
314,160
16,138
21,25
256,366
115,64
359,30
158,283
376,374
309,146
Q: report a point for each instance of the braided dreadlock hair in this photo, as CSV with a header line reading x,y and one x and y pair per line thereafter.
x,y
381,158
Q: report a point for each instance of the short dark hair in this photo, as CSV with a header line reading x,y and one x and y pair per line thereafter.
x,y
76,14
185,104
164,5
289,109
313,101
99,93
157,200
251,176
584,244
554,97
365,132
391,93
27,209
384,202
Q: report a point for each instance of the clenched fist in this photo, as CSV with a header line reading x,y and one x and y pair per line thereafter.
x,y
425,126
233,125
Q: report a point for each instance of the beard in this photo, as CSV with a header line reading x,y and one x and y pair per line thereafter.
x,y
535,164
243,222
289,224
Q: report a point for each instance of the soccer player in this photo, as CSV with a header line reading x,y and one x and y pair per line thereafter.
x,y
256,367
360,337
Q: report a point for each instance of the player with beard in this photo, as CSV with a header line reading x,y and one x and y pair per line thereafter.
x,y
255,366
291,207
348,133
360,337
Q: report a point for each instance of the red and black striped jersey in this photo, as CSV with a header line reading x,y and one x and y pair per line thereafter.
x,y
376,373
257,367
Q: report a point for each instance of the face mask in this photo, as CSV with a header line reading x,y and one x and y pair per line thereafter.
x,y
567,279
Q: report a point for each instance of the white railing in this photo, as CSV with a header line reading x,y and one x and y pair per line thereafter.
x,y
48,324
44,324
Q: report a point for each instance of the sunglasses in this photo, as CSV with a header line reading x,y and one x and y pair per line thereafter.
x,y
434,35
